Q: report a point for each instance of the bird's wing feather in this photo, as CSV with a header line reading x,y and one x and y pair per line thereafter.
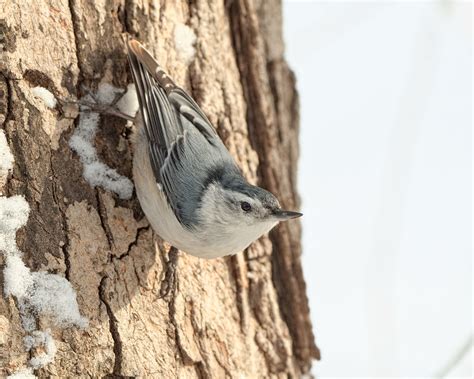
x,y
184,147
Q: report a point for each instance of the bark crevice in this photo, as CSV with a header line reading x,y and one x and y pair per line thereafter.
x,y
102,211
76,30
64,245
140,231
5,100
113,327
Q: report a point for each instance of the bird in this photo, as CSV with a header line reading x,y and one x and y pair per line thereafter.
x,y
188,184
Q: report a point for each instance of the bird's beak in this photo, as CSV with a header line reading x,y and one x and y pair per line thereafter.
x,y
286,215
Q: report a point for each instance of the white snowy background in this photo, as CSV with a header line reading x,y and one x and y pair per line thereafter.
x,y
385,178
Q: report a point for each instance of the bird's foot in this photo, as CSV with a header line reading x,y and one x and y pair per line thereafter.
x,y
91,103
169,284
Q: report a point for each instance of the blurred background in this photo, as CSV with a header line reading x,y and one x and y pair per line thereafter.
x,y
385,178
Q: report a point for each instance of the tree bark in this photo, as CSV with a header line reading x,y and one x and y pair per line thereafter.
x,y
240,316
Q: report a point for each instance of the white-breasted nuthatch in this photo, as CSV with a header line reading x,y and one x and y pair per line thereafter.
x,y
188,184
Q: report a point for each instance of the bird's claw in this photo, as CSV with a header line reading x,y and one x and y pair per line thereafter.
x,y
92,104
168,284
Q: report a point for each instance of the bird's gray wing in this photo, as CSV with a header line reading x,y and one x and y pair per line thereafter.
x,y
185,150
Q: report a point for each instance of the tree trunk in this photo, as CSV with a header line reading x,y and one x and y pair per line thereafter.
x,y
240,316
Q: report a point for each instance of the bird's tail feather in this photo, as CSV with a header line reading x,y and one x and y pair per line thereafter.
x,y
151,65
158,115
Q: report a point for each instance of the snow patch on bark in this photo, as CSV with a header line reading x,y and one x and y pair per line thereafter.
x,y
14,212
96,172
23,373
53,295
48,98
17,277
40,338
37,293
6,158
184,40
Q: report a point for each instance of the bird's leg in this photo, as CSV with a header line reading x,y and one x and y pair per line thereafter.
x,y
96,106
105,109
168,283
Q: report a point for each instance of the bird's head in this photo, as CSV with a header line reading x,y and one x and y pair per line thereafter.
x,y
240,204
232,213
255,205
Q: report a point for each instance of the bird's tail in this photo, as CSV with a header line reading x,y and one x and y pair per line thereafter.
x,y
137,50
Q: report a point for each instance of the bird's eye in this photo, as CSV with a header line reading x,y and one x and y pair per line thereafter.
x,y
245,206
